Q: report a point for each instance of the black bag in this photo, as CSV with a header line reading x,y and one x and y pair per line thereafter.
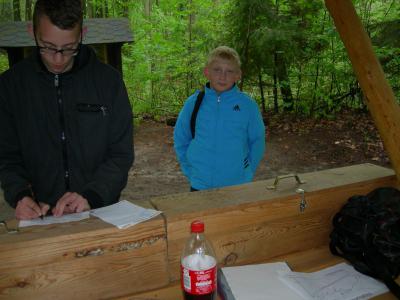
x,y
366,232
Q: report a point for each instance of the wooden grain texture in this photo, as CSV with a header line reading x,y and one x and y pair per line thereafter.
x,y
310,260
378,94
249,223
89,259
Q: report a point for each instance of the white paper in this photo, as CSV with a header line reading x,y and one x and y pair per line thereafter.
x,y
53,220
124,214
340,282
259,282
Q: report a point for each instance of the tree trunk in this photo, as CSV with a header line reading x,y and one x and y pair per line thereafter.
x,y
299,84
189,73
284,82
317,70
105,9
147,12
147,7
313,104
260,84
84,9
275,88
90,9
246,48
17,10
28,10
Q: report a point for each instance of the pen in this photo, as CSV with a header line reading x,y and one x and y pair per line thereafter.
x,y
36,201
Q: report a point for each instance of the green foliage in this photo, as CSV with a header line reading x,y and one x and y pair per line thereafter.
x,y
3,62
292,45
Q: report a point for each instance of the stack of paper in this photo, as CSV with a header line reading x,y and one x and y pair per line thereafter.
x,y
340,282
55,220
124,214
277,281
255,282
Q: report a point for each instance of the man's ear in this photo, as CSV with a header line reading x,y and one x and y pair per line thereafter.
x,y
84,31
29,29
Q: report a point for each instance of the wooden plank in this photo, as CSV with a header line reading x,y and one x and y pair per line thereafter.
x,y
378,94
249,223
89,259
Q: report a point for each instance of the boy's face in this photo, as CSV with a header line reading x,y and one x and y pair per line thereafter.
x,y
222,74
49,36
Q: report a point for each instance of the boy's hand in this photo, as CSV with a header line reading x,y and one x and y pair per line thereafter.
x,y
28,209
70,203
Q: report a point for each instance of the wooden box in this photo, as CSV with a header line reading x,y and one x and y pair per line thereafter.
x,y
89,259
250,223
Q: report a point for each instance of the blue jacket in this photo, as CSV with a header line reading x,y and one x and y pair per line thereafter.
x,y
229,142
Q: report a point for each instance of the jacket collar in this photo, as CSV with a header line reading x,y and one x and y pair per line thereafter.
x,y
211,92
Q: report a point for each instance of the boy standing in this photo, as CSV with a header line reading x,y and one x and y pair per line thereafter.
x,y
229,140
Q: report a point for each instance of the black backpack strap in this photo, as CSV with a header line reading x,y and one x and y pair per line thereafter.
x,y
193,118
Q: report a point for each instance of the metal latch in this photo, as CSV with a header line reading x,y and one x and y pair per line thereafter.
x,y
9,230
303,203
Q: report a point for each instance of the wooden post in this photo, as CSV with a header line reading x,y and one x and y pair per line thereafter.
x,y
114,55
379,96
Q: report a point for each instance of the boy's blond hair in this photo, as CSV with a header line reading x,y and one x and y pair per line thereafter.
x,y
224,52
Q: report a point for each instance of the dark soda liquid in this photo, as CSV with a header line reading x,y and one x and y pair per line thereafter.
x,y
210,296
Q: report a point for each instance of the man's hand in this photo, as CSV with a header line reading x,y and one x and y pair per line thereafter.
x,y
28,209
70,203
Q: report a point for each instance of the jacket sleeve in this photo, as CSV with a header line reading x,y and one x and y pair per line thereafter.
x,y
13,175
256,138
183,136
111,175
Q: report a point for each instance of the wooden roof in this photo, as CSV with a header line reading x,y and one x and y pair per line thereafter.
x,y
99,31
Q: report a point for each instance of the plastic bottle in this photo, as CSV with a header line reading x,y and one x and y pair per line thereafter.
x,y
198,266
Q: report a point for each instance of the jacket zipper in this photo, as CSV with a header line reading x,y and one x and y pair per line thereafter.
x,y
215,138
63,135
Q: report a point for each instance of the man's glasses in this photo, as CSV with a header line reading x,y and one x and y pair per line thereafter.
x,y
67,52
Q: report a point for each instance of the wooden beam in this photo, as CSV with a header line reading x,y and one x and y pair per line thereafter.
x,y
378,94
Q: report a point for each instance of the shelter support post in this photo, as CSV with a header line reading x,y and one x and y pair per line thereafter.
x,y
379,95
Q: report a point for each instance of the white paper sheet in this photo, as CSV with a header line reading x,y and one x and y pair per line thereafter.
x,y
340,282
259,282
54,220
124,214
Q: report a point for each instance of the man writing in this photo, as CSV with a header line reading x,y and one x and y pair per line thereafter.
x,y
66,131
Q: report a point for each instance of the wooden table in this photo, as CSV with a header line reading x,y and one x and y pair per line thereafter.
x,y
247,224
306,261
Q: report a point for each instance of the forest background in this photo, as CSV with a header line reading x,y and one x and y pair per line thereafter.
x,y
292,57
294,65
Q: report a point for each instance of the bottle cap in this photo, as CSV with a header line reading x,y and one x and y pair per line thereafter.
x,y
197,226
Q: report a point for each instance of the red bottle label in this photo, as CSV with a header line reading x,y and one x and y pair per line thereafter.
x,y
199,282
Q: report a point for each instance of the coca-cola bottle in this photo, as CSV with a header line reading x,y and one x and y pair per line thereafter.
x,y
198,266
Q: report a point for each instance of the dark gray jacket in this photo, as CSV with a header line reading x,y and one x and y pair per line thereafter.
x,y
68,132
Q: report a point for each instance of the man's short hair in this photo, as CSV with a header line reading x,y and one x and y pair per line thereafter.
x,y
224,52
65,14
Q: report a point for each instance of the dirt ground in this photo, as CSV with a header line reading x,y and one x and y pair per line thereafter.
x,y
293,145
